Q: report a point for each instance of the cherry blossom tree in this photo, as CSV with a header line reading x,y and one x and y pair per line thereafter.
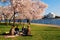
x,y
5,9
27,9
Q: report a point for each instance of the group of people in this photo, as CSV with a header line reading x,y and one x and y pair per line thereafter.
x,y
25,31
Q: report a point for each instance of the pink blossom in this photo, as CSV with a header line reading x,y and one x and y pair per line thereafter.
x,y
27,9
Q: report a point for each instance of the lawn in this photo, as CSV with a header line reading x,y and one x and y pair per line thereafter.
x,y
39,33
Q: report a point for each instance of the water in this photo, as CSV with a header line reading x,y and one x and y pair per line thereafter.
x,y
44,21
47,21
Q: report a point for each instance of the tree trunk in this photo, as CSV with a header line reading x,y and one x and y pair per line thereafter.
x,y
20,21
0,21
14,19
28,21
9,21
6,21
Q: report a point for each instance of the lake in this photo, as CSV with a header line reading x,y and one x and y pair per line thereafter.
x,y
47,21
44,21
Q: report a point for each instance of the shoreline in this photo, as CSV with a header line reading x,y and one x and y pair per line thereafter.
x,y
51,25
45,25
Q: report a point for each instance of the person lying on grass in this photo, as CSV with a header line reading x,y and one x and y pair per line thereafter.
x,y
11,31
16,30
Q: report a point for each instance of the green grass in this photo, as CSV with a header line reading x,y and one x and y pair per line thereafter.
x,y
38,32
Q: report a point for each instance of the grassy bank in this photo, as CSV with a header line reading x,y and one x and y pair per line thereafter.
x,y
39,32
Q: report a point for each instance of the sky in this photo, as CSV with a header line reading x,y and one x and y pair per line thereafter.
x,y
4,3
53,6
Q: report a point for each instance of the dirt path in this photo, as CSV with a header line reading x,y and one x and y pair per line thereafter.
x,y
45,25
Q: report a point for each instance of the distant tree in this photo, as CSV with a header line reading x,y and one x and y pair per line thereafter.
x,y
5,9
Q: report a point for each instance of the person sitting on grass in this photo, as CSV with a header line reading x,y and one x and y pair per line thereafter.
x,y
23,28
16,30
29,30
11,33
24,31
12,30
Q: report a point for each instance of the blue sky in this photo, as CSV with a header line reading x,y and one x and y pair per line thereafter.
x,y
53,6
4,3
